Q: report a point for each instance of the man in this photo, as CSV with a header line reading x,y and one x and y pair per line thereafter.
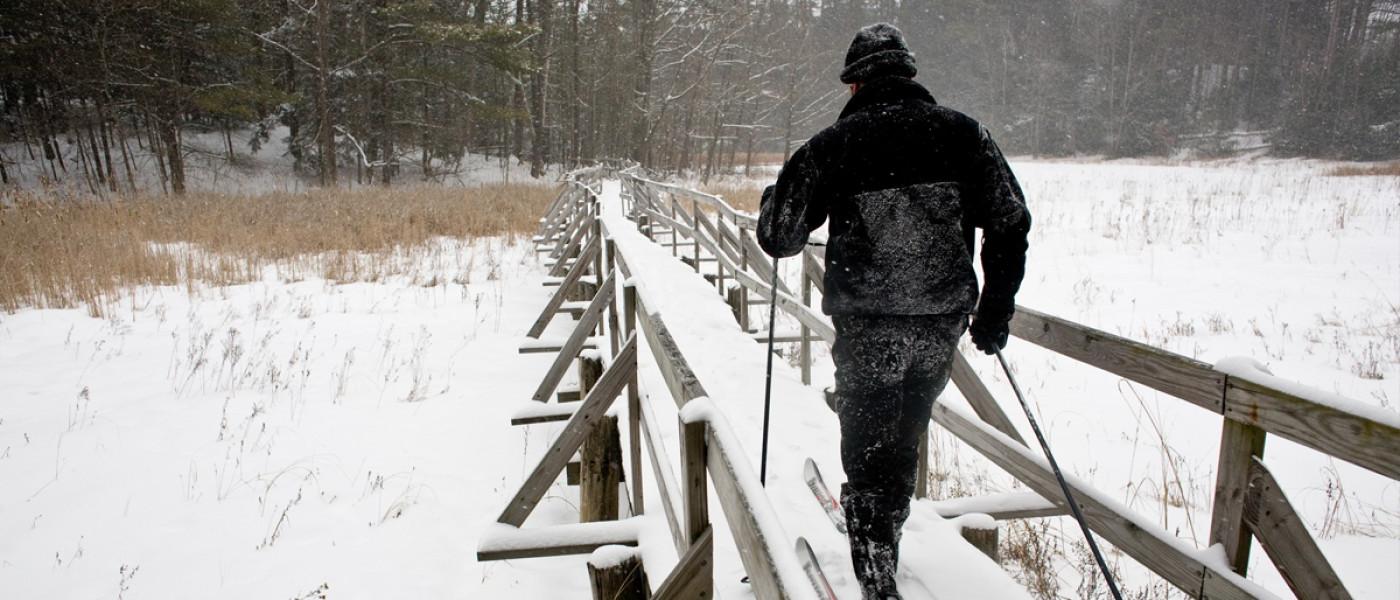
x,y
904,183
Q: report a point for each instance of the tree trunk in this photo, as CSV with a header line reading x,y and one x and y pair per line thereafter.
x,y
325,128
174,158
539,88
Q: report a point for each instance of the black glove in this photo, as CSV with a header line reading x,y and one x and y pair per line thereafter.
x,y
989,336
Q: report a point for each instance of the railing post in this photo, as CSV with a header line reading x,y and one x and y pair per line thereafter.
x,y
696,494
675,235
921,484
1239,445
600,464
634,404
806,346
695,230
743,290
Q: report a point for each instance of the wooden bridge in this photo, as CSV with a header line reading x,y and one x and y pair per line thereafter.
x,y
621,248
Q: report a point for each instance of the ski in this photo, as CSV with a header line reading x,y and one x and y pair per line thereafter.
x,y
813,569
829,503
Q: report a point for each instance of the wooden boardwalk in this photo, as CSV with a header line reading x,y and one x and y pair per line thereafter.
x,y
631,257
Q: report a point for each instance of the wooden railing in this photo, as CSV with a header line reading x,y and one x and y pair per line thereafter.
x,y
592,266
702,229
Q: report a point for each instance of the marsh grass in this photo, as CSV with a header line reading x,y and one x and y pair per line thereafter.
x,y
73,253
1380,169
741,194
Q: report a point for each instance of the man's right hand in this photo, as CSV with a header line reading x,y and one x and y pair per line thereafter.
x,y
989,337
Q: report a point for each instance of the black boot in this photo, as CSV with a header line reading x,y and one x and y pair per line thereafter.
x,y
872,523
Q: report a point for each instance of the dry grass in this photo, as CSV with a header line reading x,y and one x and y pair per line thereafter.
x,y
1380,169
742,195
75,253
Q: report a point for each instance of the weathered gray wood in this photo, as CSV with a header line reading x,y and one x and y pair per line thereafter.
x,y
1286,539
594,406
600,456
608,535
582,332
735,299
552,307
804,348
815,271
756,547
585,225
984,540
634,445
600,472
980,398
666,483
626,580
1190,380
1350,437
680,380
553,348
804,315
1240,444
1138,538
756,550
695,491
921,472
762,263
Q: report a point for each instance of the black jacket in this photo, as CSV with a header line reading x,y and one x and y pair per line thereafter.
x,y
904,182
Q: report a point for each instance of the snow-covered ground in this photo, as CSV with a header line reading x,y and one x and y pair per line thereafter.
x,y
267,440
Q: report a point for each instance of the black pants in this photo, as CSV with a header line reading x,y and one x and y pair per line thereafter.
x,y
889,371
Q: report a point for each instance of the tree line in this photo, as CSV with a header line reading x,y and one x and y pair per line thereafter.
x,y
366,90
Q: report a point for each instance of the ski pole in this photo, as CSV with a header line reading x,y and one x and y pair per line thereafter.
x,y
1064,487
768,380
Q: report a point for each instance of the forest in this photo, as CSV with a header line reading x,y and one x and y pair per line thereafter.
x,y
356,90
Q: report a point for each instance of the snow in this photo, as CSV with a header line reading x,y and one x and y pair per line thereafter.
x,y
607,557
992,503
975,521
501,538
357,436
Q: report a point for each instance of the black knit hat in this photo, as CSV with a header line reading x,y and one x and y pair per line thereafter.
x,y
878,50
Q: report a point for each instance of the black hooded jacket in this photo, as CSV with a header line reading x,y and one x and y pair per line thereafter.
x,y
904,182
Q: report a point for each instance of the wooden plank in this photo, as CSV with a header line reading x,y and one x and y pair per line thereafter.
x,y
553,345
694,576
596,535
582,332
695,492
761,262
1350,437
680,380
980,398
1240,444
1138,538
815,270
665,477
574,243
555,301
594,406
756,546
1286,539
789,304
1190,380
